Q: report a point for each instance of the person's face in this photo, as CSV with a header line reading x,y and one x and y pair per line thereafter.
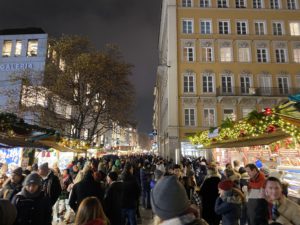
x,y
32,188
43,172
177,172
75,168
229,166
273,190
250,172
65,173
16,178
221,192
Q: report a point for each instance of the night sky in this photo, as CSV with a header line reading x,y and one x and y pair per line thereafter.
x,y
131,24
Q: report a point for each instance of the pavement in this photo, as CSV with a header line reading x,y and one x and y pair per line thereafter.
x,y
146,214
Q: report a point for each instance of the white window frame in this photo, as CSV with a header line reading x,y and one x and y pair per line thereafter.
x,y
204,5
264,28
204,54
187,50
224,58
232,116
242,59
187,88
275,6
262,4
293,31
192,26
209,110
188,115
275,29
296,58
206,89
187,3
206,21
7,52
244,110
280,59
222,5
262,54
239,5
242,22
227,89
266,84
245,90
293,3
223,22
283,89
36,52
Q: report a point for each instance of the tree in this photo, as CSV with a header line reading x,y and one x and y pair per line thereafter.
x,y
95,84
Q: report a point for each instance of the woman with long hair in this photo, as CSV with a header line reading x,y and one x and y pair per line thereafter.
x,y
90,212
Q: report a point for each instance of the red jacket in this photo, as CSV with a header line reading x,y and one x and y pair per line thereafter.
x,y
258,181
96,222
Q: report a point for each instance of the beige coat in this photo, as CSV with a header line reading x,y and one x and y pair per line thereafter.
x,y
289,212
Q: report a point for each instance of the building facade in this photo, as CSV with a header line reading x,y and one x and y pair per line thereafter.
x,y
222,58
22,51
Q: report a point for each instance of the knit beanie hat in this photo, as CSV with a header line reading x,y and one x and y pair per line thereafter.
x,y
44,166
169,198
18,171
33,178
8,212
225,185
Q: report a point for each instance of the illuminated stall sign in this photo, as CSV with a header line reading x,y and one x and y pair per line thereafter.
x,y
11,156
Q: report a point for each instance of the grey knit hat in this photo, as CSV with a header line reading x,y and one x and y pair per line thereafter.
x,y
8,212
33,178
44,166
169,198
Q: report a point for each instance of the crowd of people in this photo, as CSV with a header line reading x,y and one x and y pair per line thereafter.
x,y
111,191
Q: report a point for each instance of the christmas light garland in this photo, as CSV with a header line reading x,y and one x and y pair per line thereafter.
x,y
256,124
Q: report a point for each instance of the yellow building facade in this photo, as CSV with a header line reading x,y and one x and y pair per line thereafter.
x,y
232,57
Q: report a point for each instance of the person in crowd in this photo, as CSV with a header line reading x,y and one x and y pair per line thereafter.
x,y
145,178
8,212
160,165
90,212
12,185
33,206
189,179
257,206
209,193
131,193
236,166
74,172
228,204
173,210
157,175
3,174
66,181
281,209
244,177
56,170
113,198
34,167
51,184
233,176
87,187
228,166
178,173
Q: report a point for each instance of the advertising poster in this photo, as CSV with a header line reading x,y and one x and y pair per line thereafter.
x,y
11,156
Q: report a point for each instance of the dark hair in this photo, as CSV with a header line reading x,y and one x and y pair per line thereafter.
x,y
275,223
252,166
274,179
242,170
176,166
113,176
236,163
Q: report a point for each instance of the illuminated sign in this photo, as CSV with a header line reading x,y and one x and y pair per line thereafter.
x,y
10,67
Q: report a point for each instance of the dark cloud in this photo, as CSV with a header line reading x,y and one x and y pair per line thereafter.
x,y
131,24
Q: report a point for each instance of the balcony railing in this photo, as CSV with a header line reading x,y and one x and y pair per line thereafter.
x,y
261,91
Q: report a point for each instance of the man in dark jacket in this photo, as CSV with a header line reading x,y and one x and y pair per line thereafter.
x,y
32,205
13,185
88,187
131,193
145,178
50,185
113,198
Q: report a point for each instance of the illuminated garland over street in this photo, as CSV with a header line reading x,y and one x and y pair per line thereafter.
x,y
256,124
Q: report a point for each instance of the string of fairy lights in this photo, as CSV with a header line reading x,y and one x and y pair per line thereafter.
x,y
260,123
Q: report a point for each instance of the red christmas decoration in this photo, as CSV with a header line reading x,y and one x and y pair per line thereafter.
x,y
271,128
268,112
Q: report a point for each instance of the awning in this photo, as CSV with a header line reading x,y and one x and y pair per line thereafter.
x,y
18,141
56,146
264,139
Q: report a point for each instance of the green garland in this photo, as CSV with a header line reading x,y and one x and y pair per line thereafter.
x,y
255,124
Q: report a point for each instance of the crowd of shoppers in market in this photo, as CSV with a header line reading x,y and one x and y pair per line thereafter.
x,y
111,190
